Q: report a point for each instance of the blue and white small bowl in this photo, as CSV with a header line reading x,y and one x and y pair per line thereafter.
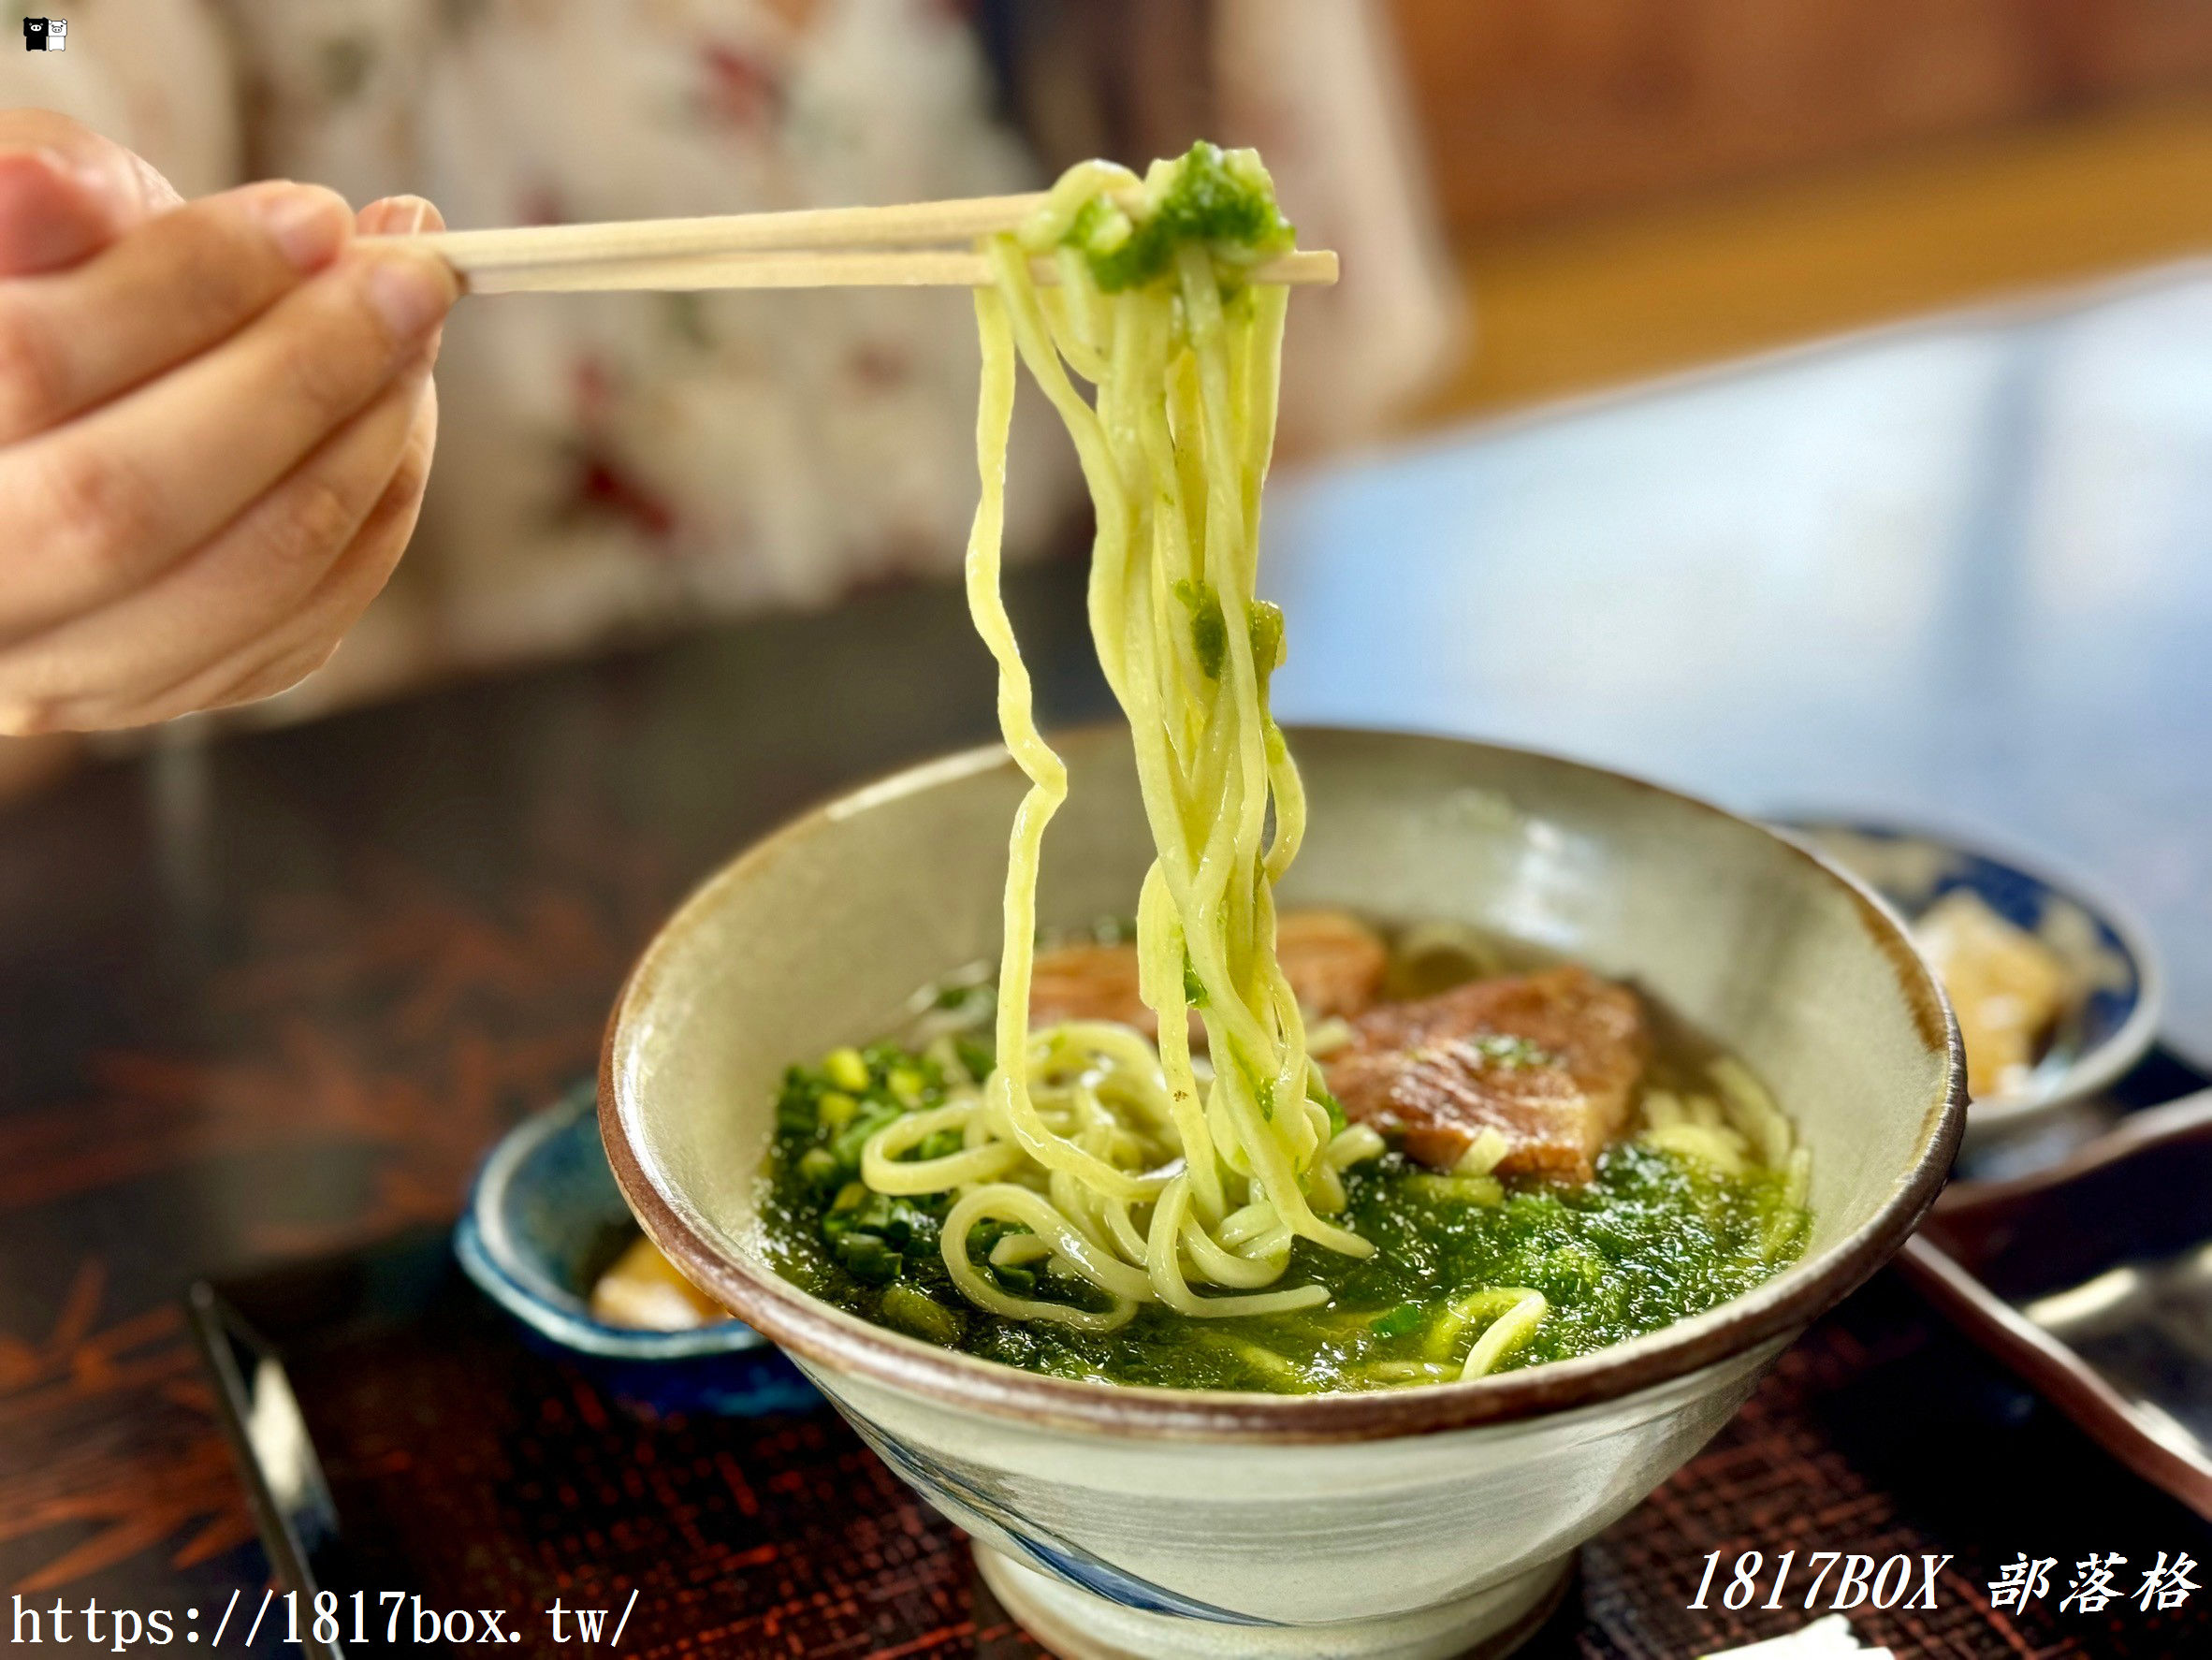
x,y
2107,954
543,1217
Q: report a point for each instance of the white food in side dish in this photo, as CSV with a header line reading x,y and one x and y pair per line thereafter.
x,y
2007,986
644,1291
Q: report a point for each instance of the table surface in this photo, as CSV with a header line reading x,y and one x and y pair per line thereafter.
x,y
1957,574
272,995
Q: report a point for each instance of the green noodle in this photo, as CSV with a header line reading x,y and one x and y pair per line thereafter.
x,y
1138,1177
1084,1176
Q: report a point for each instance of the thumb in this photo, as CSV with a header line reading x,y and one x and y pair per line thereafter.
x,y
65,192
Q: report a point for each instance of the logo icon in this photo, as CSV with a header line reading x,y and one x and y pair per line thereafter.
x,y
46,34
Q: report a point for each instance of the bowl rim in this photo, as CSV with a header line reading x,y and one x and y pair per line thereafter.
x,y
2095,1069
828,1338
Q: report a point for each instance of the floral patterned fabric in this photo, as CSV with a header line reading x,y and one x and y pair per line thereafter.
x,y
611,465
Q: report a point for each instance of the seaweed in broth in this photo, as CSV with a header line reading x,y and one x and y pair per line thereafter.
x,y
1656,1236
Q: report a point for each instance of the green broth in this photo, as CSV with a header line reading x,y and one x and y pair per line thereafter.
x,y
1654,1238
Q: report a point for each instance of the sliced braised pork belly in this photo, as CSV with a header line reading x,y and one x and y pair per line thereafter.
x,y
1334,964
1089,982
1550,1061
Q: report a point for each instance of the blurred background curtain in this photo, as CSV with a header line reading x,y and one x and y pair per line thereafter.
x,y
1583,192
614,466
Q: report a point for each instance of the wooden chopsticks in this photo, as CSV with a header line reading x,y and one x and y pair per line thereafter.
x,y
914,245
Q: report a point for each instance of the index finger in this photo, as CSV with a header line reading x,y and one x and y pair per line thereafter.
x,y
51,216
66,191
72,339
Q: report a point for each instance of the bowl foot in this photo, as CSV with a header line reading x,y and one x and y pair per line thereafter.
x,y
1076,1624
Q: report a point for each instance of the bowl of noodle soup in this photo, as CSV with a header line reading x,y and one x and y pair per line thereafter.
x,y
1426,1521
1236,1302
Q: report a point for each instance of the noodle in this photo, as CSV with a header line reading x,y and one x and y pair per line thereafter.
x,y
1081,1172
1142,1182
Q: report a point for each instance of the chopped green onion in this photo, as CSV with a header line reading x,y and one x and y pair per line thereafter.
x,y
846,1070
922,1314
978,1055
1209,633
867,1258
1194,989
1400,1322
796,1111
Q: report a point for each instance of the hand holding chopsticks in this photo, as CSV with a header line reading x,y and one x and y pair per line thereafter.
x,y
214,437
924,244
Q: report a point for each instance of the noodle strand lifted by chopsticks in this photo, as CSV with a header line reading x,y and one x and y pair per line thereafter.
x,y
1130,1175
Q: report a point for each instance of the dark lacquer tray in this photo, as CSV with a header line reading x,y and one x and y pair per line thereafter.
x,y
402,1444
400,1437
2093,1278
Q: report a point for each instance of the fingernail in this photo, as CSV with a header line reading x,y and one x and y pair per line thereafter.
x,y
402,216
97,182
95,178
409,292
116,195
308,226
51,214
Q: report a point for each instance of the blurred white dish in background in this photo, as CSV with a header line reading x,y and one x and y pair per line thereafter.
x,y
2007,988
2108,1014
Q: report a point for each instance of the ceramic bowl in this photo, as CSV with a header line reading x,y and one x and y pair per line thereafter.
x,y
1423,1521
544,1218
2107,954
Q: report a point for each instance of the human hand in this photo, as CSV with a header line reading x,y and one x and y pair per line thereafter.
x,y
216,420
